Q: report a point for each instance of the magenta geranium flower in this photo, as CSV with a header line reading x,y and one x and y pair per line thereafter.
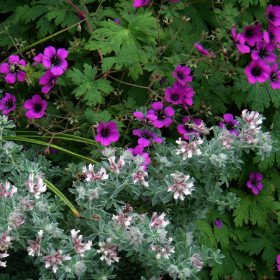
x,y
201,49
278,262
55,60
146,137
257,71
174,95
273,14
160,116
47,81
7,103
186,127
274,76
182,74
264,51
253,34
272,35
117,21
255,182
107,133
229,123
140,3
219,223
35,107
179,94
13,70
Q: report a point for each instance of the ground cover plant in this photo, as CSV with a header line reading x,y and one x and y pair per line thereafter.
x,y
139,139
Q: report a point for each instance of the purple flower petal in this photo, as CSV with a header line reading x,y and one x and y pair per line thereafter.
x,y
62,53
144,142
49,52
4,68
258,176
157,106
169,112
13,59
10,78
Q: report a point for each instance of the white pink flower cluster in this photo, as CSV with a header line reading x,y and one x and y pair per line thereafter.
x,y
158,221
80,247
163,250
5,243
189,149
7,190
36,185
182,185
116,166
108,252
91,175
140,177
55,259
251,132
123,219
34,248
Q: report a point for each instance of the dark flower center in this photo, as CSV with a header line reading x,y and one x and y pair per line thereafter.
x,y
254,182
174,96
160,115
37,107
263,52
147,135
249,32
14,68
271,16
51,82
273,77
105,132
230,125
9,104
256,71
55,61
180,75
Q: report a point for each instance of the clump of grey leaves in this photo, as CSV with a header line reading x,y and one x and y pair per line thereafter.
x,y
127,211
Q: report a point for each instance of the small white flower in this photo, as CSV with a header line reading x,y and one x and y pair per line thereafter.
x,y
80,247
5,241
163,251
108,252
7,190
122,219
182,186
35,185
197,262
34,247
139,177
91,175
158,221
189,149
54,260
253,119
116,166
2,256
